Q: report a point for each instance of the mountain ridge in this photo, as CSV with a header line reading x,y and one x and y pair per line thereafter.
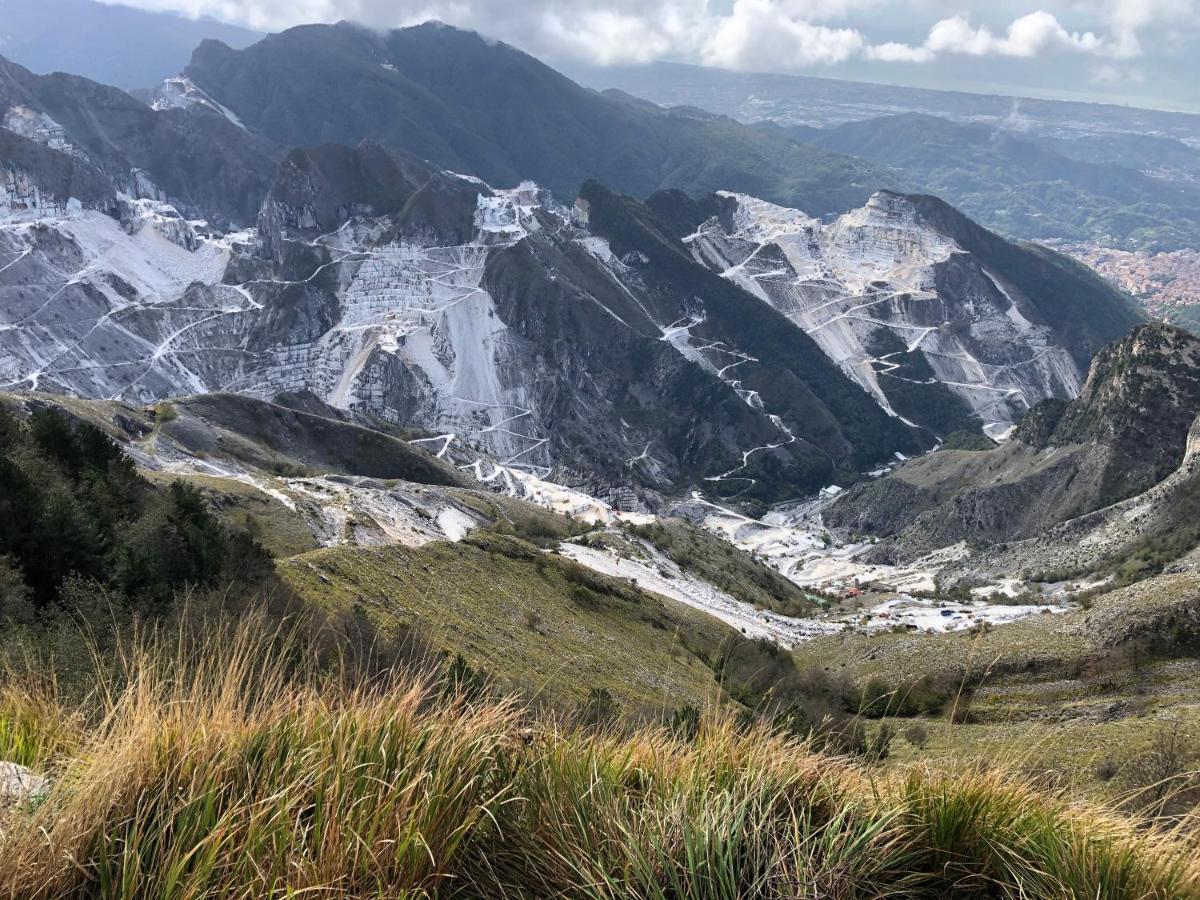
x,y
466,104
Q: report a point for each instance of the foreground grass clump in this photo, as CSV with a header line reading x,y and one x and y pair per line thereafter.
x,y
226,766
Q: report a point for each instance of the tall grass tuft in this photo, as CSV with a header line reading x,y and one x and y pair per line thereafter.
x,y
229,765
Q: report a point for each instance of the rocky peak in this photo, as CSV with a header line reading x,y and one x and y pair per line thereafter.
x,y
1142,391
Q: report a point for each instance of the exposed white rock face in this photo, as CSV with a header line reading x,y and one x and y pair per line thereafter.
x,y
163,218
38,126
425,308
22,196
179,92
421,309
91,309
880,267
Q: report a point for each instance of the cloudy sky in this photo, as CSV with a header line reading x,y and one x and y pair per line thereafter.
x,y
1137,51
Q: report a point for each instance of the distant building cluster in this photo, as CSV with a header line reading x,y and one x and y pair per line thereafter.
x,y
1159,280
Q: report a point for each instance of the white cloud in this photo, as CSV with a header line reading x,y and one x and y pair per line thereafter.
x,y
1127,19
762,33
615,36
1028,36
894,52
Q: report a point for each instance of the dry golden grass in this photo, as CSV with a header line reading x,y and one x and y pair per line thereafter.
x,y
226,765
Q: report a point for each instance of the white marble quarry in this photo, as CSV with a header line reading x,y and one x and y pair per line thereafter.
x,y
876,267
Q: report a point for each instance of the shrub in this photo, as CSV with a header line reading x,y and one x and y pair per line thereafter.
x,y
917,735
15,605
879,745
461,681
1162,777
927,695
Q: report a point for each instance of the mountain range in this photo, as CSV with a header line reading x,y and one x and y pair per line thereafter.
x,y
821,103
1062,171
627,344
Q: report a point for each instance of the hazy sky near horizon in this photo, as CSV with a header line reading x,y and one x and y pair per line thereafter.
x,y
1136,51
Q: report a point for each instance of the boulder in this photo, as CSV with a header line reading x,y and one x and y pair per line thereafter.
x,y
19,783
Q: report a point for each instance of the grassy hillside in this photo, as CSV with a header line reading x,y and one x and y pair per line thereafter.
x,y
222,768
536,622
1102,701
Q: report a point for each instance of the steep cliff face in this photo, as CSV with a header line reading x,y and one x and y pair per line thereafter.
x,y
37,177
1139,399
1130,428
914,303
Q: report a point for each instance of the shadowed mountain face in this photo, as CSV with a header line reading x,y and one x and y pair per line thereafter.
x,y
486,109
